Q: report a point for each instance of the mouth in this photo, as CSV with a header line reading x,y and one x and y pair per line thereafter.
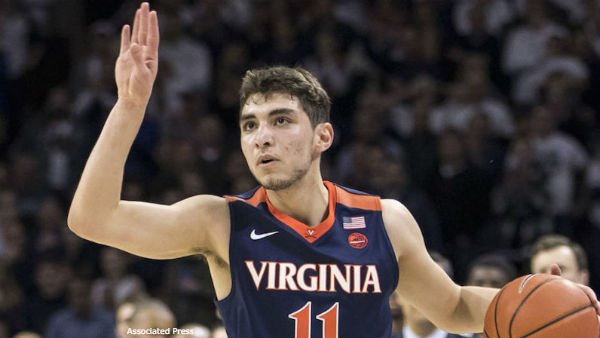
x,y
265,160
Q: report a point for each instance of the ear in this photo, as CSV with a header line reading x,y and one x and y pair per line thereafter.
x,y
323,136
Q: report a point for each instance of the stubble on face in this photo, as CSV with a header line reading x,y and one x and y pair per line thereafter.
x,y
298,172
276,184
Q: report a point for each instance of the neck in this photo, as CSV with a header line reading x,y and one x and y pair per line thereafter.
x,y
306,200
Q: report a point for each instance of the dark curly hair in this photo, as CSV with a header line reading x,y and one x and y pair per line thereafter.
x,y
296,82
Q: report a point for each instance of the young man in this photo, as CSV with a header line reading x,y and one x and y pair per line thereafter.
x,y
297,257
560,250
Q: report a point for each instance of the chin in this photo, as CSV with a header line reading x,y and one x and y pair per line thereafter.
x,y
277,182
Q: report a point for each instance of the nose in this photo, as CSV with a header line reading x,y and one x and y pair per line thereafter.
x,y
264,137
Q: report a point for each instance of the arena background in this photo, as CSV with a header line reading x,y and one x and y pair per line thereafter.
x,y
482,116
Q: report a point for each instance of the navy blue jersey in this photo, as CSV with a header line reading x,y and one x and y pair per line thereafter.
x,y
289,280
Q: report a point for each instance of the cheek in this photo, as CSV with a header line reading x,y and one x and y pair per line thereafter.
x,y
298,148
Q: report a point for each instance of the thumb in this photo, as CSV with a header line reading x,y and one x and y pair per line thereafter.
x,y
555,270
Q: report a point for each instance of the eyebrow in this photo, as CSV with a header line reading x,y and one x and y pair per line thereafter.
x,y
274,112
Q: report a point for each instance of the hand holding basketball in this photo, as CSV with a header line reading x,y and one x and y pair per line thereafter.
x,y
542,306
555,270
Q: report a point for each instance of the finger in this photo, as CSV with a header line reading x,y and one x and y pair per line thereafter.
x,y
592,296
136,53
136,27
153,34
555,270
143,37
125,39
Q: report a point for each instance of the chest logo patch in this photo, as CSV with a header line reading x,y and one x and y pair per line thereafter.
x,y
357,240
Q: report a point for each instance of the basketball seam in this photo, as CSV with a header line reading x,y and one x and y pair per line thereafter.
x,y
510,326
495,313
558,320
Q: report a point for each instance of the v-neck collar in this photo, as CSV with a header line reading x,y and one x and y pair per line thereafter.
x,y
309,233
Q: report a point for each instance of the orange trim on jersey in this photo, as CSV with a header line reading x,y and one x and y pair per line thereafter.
x,y
310,234
365,202
258,197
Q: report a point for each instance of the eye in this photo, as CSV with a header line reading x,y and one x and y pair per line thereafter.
x,y
249,125
281,121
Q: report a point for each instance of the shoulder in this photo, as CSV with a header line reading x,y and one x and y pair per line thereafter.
x,y
356,199
205,217
402,229
209,206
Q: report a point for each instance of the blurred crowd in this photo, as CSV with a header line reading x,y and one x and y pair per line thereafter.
x,y
479,115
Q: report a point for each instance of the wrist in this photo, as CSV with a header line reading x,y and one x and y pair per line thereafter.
x,y
131,106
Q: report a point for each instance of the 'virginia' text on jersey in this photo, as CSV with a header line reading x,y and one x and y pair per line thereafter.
x,y
315,277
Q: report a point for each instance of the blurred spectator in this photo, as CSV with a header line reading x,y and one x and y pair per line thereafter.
x,y
559,61
51,279
485,150
14,42
190,291
562,158
491,270
526,44
520,200
117,283
591,188
50,224
11,300
189,60
239,178
57,137
568,255
81,319
151,317
390,179
471,95
494,14
461,194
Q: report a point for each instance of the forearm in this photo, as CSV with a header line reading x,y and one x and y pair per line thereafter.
x,y
99,189
469,313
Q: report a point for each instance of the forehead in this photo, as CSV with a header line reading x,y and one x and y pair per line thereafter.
x,y
561,254
263,104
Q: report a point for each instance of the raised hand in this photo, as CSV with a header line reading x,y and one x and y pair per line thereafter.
x,y
137,64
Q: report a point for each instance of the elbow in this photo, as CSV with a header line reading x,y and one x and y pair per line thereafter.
x,y
79,224
75,222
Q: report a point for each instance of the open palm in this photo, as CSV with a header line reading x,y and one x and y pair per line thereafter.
x,y
137,63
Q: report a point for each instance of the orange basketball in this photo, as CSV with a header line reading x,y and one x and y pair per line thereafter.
x,y
541,306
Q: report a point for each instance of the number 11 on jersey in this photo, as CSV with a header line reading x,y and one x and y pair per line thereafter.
x,y
302,319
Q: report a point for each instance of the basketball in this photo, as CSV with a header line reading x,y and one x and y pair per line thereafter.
x,y
541,306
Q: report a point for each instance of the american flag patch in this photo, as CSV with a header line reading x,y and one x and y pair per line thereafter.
x,y
351,223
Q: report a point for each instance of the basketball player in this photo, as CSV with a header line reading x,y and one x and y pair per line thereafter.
x,y
568,255
297,257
